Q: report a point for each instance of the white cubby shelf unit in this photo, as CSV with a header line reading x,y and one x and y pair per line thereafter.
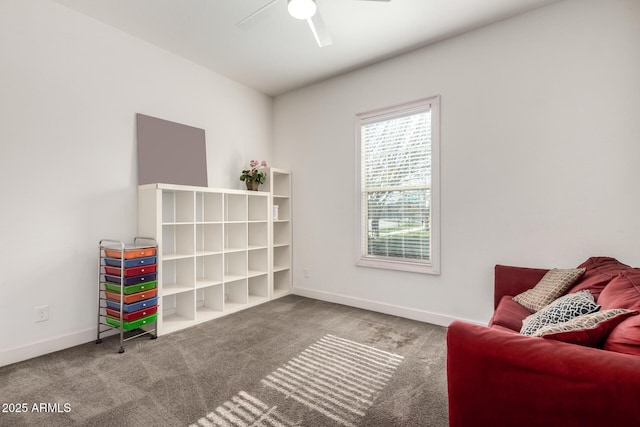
x,y
214,254
280,189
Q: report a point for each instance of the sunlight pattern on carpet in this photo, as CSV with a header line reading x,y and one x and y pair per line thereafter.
x,y
243,410
336,377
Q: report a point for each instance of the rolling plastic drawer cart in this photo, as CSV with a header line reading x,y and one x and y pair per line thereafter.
x,y
127,294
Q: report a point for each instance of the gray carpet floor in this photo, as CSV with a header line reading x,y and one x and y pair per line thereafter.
x,y
290,362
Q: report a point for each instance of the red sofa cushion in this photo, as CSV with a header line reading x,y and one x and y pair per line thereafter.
x,y
509,314
599,271
623,292
590,330
625,338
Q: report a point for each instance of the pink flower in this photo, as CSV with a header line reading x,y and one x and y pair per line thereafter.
x,y
255,172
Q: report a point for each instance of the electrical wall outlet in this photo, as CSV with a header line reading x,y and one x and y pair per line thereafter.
x,y
305,272
42,313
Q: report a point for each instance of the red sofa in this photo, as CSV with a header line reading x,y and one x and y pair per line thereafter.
x,y
497,377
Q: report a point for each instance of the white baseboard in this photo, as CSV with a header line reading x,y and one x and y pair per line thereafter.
x,y
61,342
380,307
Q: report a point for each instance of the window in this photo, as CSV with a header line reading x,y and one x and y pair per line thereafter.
x,y
397,152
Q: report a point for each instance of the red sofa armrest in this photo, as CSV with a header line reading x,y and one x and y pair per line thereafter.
x,y
512,281
499,378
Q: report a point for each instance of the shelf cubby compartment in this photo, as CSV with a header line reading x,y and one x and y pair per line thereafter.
x,y
209,270
258,235
209,239
281,257
258,289
281,185
177,206
177,240
235,266
177,275
236,295
258,208
178,311
258,262
281,283
283,208
209,207
235,207
209,302
281,233
168,206
235,237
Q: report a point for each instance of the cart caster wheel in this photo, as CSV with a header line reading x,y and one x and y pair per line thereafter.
x,y
154,337
98,341
121,350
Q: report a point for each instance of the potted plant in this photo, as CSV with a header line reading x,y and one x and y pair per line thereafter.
x,y
255,175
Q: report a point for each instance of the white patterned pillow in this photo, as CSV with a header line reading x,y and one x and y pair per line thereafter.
x,y
551,286
590,330
561,310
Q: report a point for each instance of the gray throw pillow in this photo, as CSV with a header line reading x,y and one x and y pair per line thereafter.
x,y
563,309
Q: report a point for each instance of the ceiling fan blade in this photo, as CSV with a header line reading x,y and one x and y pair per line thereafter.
x,y
319,30
248,21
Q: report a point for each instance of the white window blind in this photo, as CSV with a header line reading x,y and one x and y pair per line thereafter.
x,y
396,152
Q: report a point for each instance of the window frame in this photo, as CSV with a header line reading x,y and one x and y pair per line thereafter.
x,y
387,113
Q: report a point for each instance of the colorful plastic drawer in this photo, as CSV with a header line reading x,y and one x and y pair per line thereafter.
x,y
134,315
128,326
129,308
138,252
128,263
133,271
114,287
133,280
128,299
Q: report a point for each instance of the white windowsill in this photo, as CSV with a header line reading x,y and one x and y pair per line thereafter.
x,y
399,265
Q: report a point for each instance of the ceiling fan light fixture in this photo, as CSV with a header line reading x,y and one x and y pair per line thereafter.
x,y
302,9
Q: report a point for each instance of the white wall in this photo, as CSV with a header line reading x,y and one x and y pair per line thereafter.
x,y
539,157
70,89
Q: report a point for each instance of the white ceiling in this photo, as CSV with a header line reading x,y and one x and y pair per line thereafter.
x,y
278,53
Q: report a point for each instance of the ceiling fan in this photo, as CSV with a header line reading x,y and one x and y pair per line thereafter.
x,y
299,9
